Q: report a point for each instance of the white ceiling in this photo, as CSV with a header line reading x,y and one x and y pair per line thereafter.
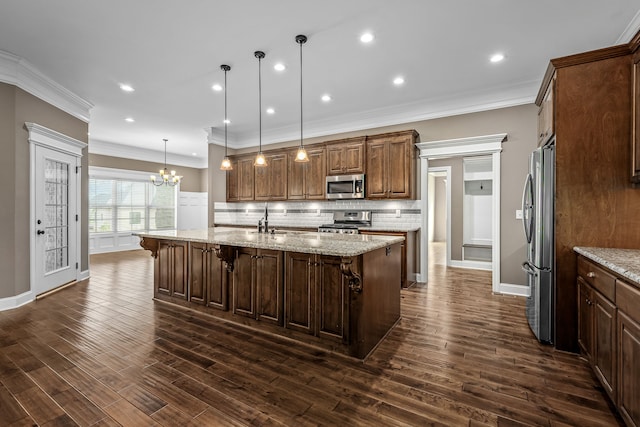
x,y
171,52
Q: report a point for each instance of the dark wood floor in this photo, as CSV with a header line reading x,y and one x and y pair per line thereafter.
x,y
103,353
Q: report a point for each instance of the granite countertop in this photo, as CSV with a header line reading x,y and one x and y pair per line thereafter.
x,y
625,262
293,241
399,228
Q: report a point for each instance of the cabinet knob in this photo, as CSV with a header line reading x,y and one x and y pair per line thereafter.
x,y
591,274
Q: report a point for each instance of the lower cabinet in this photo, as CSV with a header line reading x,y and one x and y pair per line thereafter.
x,y
208,281
317,296
407,256
628,345
585,318
171,269
257,284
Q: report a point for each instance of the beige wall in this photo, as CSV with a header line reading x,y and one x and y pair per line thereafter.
x,y
16,108
193,179
520,125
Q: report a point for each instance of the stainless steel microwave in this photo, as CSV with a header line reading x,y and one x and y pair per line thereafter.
x,y
345,187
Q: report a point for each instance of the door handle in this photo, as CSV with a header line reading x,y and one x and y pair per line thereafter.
x,y
40,231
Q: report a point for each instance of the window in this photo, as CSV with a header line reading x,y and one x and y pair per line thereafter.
x,y
119,205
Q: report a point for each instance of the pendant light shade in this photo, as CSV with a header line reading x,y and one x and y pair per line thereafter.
x,y
260,159
166,177
301,155
226,163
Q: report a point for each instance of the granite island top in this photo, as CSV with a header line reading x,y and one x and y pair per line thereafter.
x,y
292,241
625,262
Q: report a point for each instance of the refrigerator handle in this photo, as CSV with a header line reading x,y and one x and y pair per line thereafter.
x,y
527,209
526,267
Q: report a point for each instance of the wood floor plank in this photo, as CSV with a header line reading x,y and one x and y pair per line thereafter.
x,y
102,353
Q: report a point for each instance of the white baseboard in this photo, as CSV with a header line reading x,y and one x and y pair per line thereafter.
x,y
84,274
420,278
476,265
16,301
517,290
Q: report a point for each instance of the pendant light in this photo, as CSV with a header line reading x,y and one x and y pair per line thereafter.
x,y
260,159
226,163
166,178
301,155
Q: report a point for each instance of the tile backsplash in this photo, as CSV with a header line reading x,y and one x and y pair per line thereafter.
x,y
391,213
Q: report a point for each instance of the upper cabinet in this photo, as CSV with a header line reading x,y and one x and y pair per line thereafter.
x,y
271,180
546,115
390,160
635,140
346,156
306,180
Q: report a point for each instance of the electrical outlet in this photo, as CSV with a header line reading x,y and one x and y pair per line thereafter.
x,y
518,213
284,212
318,212
397,213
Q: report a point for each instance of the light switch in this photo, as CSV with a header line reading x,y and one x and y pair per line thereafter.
x,y
518,213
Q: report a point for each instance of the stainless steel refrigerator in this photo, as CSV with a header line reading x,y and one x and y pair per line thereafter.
x,y
537,215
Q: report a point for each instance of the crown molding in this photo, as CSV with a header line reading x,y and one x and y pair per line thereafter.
x,y
216,136
461,146
631,30
17,71
464,103
105,148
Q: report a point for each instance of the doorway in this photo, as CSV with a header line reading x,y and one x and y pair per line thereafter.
x,y
439,217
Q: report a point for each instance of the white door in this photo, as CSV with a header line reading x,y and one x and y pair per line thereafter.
x,y
55,226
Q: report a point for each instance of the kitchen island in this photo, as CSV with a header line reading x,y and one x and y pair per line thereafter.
x,y
337,292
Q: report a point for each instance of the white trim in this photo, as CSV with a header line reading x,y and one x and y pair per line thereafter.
x,y
16,301
17,71
105,148
631,30
112,173
476,265
48,138
84,275
447,170
517,290
485,144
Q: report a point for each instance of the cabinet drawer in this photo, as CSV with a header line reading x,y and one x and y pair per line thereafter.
x,y
604,282
628,299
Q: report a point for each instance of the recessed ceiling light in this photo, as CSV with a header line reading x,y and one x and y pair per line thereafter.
x,y
326,98
270,110
496,57
216,87
194,154
398,81
366,38
279,67
129,119
227,121
126,87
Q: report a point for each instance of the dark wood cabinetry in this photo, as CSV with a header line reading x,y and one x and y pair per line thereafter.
x,y
628,352
390,160
346,156
306,180
207,277
233,194
257,284
546,117
240,180
171,269
407,255
604,339
271,180
585,318
635,139
317,296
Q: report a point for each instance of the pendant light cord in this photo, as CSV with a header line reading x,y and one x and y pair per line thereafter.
x,y
260,103
225,113
300,94
165,154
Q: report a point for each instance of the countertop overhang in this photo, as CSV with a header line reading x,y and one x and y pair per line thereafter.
x,y
625,262
344,245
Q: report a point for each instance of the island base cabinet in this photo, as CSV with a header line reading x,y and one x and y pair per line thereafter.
x,y
208,280
300,281
333,300
171,269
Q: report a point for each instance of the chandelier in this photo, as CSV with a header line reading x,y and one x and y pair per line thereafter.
x,y
166,177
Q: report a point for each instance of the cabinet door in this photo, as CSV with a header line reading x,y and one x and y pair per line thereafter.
x,y
400,168
180,259
269,284
628,369
262,180
335,156
245,179
217,282
315,177
296,172
585,318
198,272
244,299
163,269
376,169
333,301
354,158
635,143
604,336
232,182
299,292
278,177
546,115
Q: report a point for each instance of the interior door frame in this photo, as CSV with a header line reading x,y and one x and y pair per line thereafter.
x,y
40,136
478,145
447,171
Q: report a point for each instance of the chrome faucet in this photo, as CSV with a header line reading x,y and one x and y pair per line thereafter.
x,y
266,218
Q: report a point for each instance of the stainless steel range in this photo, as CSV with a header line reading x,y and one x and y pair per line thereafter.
x,y
347,222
